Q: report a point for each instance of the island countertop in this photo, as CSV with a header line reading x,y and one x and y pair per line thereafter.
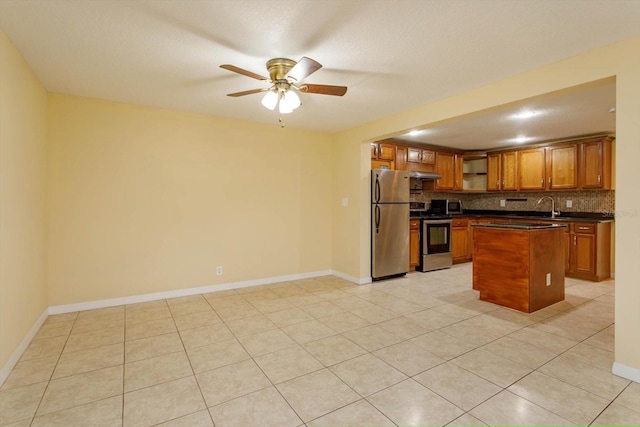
x,y
519,225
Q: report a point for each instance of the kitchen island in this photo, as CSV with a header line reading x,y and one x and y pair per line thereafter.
x,y
520,266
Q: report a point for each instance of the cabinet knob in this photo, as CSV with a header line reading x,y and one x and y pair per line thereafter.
x,y
575,240
549,180
598,179
541,182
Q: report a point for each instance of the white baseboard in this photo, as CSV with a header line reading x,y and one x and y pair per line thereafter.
x,y
90,305
15,356
627,372
359,281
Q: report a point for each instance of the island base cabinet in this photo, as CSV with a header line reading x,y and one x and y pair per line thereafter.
x,y
519,269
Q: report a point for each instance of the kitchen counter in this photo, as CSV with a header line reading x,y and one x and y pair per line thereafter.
x,y
520,266
593,217
519,225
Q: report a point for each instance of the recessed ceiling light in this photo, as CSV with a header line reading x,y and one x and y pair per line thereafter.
x,y
415,132
521,139
525,114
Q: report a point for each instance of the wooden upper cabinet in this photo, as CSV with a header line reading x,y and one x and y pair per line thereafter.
x,y
531,169
386,151
493,171
563,167
414,155
457,172
401,158
428,157
418,155
510,171
445,166
595,164
383,155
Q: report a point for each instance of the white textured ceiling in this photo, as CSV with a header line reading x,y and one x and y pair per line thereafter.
x,y
572,112
393,55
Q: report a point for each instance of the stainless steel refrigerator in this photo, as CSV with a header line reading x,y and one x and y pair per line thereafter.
x,y
389,223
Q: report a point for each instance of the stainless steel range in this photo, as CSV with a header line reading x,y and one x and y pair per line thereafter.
x,y
435,238
435,243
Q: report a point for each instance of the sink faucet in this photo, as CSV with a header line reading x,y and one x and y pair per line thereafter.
x,y
554,212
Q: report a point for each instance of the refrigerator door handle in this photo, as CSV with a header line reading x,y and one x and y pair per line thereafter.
x,y
377,190
377,218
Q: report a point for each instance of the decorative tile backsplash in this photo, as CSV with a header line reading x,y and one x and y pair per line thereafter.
x,y
583,201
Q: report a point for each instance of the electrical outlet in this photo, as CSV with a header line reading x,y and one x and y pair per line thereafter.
x,y
219,270
503,203
548,279
569,203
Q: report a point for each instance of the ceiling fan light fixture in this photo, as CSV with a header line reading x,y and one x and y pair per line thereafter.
x,y
270,100
291,99
283,107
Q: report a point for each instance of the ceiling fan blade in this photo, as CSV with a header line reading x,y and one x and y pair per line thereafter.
x,y
324,89
246,92
243,72
304,68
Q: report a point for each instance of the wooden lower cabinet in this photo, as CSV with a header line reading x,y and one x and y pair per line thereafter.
x,y
589,252
587,248
460,240
414,243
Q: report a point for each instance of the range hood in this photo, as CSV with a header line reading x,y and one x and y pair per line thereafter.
x,y
427,176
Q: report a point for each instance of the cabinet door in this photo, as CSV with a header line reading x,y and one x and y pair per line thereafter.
x,y
445,167
457,172
510,171
428,157
459,243
386,151
414,155
584,253
591,165
493,172
563,167
381,164
401,158
374,150
414,247
531,169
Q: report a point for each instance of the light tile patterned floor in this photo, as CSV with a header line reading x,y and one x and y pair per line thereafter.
x,y
422,350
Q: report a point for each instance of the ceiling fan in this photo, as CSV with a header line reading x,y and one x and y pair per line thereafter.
x,y
285,79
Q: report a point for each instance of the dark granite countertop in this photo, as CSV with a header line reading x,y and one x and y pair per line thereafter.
x,y
540,215
519,226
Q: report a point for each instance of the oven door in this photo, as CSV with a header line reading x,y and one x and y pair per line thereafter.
x,y
436,236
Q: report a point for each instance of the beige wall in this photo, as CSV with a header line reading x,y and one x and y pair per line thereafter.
x,y
23,118
621,60
145,200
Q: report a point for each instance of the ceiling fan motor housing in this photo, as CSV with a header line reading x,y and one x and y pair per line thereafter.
x,y
279,68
